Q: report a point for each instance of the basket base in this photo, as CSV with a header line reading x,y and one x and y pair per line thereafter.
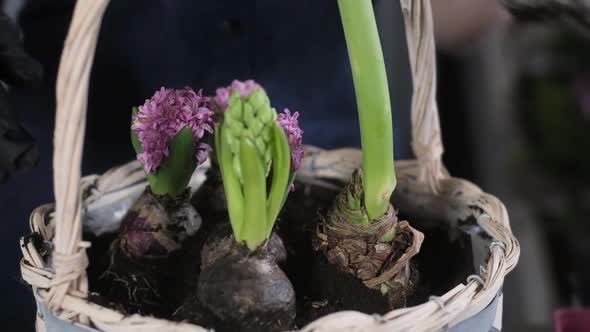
x,y
484,321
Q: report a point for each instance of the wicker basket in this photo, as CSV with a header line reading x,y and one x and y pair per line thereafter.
x,y
425,189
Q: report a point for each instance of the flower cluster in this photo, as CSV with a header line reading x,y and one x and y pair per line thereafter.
x,y
163,116
245,89
290,124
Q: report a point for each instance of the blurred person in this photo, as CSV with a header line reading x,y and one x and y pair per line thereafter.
x,y
297,50
573,12
460,23
17,70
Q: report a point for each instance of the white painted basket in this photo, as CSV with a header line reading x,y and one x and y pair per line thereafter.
x,y
60,284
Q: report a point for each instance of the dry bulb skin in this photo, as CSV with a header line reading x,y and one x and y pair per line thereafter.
x,y
377,252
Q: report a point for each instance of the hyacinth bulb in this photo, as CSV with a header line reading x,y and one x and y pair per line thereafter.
x,y
240,282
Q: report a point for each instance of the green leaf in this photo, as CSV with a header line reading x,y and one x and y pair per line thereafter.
x,y
231,183
174,174
281,169
253,230
134,138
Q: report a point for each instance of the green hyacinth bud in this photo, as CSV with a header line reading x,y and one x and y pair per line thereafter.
x,y
250,143
249,117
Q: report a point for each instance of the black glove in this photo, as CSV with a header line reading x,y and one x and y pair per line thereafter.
x,y
18,151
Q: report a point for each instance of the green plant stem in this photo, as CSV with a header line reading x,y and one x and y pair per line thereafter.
x,y
374,108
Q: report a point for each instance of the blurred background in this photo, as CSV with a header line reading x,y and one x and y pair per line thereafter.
x,y
513,92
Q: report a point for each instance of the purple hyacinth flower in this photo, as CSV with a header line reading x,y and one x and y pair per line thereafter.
x,y
290,124
163,116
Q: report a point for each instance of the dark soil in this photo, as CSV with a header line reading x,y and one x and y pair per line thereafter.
x,y
210,198
171,283
442,264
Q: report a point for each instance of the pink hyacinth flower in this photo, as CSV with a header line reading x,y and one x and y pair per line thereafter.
x,y
161,117
290,124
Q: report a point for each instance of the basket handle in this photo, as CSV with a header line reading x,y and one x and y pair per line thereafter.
x,y
69,257
426,132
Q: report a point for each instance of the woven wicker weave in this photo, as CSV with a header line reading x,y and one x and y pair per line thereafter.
x,y
424,188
